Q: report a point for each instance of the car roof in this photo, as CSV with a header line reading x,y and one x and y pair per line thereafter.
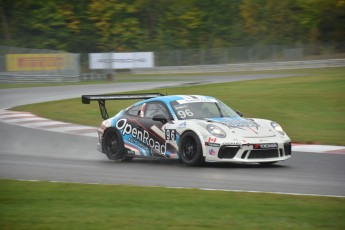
x,y
168,99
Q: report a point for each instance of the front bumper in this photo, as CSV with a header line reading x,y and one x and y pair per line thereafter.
x,y
248,153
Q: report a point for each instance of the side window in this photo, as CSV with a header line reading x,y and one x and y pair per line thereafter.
x,y
135,111
155,108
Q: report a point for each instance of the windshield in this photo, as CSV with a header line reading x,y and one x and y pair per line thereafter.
x,y
201,110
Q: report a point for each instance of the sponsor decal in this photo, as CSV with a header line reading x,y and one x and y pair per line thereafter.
x,y
143,136
182,125
37,62
263,140
265,146
121,60
232,143
195,98
240,123
178,107
212,139
136,143
212,144
212,152
128,60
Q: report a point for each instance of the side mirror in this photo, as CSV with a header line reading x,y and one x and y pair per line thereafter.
x,y
239,113
160,117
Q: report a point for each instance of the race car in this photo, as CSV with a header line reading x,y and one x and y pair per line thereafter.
x,y
193,128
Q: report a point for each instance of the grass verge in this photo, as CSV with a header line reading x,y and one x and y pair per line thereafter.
x,y
46,205
310,107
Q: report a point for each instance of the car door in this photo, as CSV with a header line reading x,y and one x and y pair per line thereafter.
x,y
154,136
156,116
147,134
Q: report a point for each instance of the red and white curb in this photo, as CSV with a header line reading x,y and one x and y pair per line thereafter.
x,y
30,120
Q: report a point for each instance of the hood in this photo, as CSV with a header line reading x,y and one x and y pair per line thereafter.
x,y
245,127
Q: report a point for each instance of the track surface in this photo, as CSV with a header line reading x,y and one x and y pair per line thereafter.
x,y
42,155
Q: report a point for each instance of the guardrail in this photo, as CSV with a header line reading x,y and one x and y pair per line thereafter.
x,y
28,78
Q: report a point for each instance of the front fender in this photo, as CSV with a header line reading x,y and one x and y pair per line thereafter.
x,y
201,138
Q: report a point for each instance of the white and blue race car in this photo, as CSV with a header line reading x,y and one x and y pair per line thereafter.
x,y
193,128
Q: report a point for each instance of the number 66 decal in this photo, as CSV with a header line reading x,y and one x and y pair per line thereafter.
x,y
170,134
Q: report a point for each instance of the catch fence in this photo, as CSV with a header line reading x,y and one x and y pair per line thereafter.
x,y
40,65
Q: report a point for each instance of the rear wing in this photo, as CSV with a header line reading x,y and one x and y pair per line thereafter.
x,y
86,99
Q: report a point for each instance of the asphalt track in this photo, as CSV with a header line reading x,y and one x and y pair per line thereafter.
x,y
33,154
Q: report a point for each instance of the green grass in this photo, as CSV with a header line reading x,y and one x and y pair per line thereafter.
x,y
310,107
45,205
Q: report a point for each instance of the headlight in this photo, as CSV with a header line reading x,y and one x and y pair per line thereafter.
x,y
216,131
277,128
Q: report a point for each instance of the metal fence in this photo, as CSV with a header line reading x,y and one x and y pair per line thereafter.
x,y
230,55
38,65
232,59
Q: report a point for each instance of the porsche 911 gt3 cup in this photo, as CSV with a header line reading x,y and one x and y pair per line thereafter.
x,y
193,128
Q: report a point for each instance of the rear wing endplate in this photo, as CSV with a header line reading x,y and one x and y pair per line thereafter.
x,y
86,99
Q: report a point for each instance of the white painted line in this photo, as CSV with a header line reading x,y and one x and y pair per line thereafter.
x,y
316,148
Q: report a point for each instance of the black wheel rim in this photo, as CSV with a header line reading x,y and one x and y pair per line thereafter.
x,y
189,148
112,144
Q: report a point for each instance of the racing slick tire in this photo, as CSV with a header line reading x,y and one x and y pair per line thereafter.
x,y
191,150
113,145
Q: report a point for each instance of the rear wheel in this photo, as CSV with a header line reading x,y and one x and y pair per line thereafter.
x,y
113,145
190,149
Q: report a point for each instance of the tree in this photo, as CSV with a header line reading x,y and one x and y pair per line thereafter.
x,y
4,22
221,23
139,25
324,20
116,24
271,22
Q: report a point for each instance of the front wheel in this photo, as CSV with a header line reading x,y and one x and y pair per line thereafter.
x,y
190,149
113,145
